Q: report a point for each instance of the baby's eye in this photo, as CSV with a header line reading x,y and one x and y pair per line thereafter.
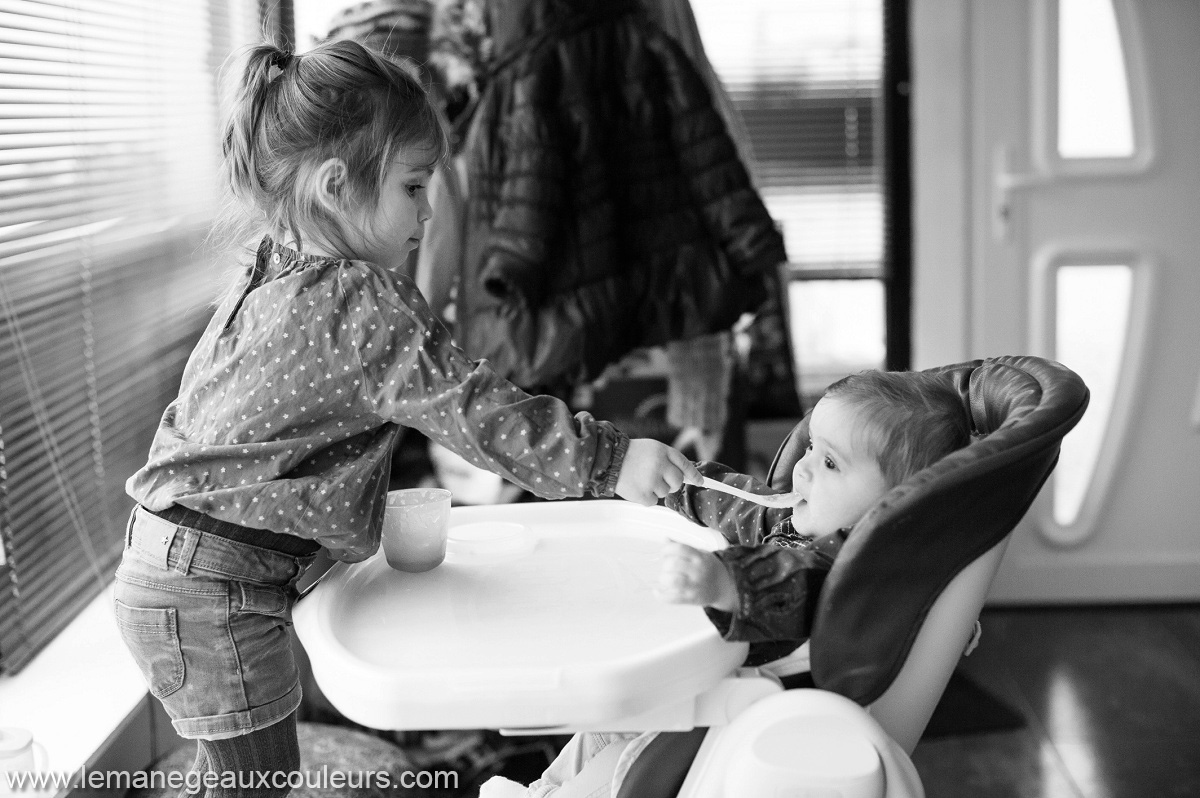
x,y
832,466
413,188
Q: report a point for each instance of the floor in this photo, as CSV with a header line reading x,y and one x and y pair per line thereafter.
x,y
1111,702
1110,699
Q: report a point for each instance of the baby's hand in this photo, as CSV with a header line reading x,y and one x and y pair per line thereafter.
x,y
652,470
692,576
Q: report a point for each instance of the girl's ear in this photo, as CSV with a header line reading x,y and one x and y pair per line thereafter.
x,y
330,184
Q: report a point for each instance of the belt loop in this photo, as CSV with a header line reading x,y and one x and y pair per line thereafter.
x,y
129,527
191,538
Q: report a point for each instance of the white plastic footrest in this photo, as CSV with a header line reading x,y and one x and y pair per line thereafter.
x,y
802,744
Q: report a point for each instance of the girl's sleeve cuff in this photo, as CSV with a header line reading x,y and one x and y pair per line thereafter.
x,y
609,459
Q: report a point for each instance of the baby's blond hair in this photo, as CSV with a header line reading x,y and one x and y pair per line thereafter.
x,y
910,419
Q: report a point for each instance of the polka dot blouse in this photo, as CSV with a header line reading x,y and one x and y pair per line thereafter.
x,y
291,403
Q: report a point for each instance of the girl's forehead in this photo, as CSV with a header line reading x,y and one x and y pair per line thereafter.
x,y
415,158
409,171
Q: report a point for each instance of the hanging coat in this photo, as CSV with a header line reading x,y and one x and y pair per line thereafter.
x,y
607,208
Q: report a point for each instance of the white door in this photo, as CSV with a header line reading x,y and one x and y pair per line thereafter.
x,y
1082,122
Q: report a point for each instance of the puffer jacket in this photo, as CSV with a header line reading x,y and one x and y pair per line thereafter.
x,y
607,207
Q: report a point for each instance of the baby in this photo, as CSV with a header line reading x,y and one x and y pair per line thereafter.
x,y
869,432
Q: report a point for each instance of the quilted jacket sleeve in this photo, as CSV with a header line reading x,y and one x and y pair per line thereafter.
x,y
720,186
528,172
778,587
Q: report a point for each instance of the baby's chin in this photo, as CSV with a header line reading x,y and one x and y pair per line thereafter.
x,y
804,524
800,518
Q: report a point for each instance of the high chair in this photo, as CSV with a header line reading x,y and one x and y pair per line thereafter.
x,y
897,611
898,608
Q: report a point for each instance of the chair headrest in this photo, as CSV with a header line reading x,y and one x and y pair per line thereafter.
x,y
917,537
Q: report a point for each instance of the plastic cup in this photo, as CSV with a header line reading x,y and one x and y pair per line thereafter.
x,y
415,525
19,754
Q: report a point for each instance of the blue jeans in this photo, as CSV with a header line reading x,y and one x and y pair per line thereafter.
x,y
208,621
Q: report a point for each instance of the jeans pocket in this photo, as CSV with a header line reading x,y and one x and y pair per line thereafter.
x,y
153,637
259,618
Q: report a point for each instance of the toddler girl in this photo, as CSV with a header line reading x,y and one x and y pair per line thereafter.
x,y
280,440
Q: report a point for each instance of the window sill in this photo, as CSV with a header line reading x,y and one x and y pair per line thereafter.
x,y
78,691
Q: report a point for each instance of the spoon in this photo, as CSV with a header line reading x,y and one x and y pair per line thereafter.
x,y
773,500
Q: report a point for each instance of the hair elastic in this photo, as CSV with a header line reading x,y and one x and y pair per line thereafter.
x,y
278,62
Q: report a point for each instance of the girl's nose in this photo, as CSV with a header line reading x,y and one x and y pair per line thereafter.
x,y
424,210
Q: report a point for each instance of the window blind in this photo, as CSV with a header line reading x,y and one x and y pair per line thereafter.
x,y
805,77
108,157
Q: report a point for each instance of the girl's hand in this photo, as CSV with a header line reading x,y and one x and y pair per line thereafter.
x,y
692,576
652,470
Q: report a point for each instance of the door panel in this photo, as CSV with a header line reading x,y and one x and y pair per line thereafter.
x,y
1110,244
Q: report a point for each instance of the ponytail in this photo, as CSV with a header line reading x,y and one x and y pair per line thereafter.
x,y
241,124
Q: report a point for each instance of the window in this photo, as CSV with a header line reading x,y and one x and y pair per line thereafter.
x,y
1096,100
108,154
1095,119
807,80
1092,314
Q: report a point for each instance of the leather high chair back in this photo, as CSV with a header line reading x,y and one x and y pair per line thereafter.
x,y
881,635
900,603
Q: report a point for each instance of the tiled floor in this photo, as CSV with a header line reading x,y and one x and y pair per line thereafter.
x,y
1111,701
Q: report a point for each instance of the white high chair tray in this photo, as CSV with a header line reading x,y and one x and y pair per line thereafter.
x,y
556,625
